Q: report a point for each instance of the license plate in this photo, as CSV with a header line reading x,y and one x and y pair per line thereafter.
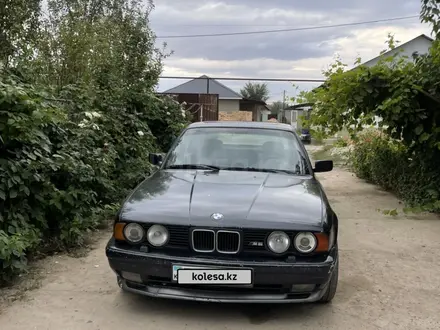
x,y
214,276
177,267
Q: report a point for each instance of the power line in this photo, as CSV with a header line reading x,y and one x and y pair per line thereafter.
x,y
222,25
285,30
249,79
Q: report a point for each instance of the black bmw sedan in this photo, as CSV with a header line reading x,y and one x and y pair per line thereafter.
x,y
233,213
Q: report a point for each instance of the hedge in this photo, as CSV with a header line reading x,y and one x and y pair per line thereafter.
x,y
68,159
411,174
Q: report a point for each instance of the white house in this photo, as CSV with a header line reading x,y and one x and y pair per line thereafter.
x,y
420,45
230,103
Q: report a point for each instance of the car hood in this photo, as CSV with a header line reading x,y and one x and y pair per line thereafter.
x,y
246,199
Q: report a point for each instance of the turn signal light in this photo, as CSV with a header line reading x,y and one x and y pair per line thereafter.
x,y
118,231
323,242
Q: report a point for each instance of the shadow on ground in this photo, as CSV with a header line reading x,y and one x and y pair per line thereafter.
x,y
204,312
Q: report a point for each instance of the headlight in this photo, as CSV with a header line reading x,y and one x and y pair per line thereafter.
x,y
305,242
278,242
157,235
134,233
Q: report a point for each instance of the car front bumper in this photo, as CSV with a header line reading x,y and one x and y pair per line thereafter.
x,y
272,281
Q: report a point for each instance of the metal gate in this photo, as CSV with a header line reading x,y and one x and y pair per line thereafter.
x,y
203,107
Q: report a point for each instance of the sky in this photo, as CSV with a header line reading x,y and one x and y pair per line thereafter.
x,y
287,55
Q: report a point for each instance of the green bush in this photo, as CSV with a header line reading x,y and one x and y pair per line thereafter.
x,y
66,163
341,142
411,175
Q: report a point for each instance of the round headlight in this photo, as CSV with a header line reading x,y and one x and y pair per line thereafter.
x,y
305,242
157,235
278,242
134,233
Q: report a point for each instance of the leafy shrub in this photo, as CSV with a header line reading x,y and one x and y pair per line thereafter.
x,y
412,175
341,142
400,94
65,164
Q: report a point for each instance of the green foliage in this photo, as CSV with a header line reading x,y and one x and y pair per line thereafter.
x,y
102,43
276,107
379,159
255,91
78,119
19,26
403,155
318,136
303,96
341,143
400,91
430,13
64,163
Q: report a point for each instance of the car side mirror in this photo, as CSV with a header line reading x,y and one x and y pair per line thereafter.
x,y
155,159
323,166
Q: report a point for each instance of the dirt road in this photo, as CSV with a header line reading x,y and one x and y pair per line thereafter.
x,y
389,279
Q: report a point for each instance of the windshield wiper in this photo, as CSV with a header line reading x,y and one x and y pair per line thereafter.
x,y
194,166
256,169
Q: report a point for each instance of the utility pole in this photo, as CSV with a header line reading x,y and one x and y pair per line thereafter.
x,y
284,99
284,106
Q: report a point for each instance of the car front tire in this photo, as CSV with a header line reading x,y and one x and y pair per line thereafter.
x,y
332,286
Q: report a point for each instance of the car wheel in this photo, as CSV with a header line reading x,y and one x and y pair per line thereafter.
x,y
332,286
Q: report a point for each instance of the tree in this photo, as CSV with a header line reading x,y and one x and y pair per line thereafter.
x,y
255,91
403,92
19,25
78,118
276,107
430,13
107,44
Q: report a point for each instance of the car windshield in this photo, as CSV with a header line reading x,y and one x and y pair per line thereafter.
x,y
249,149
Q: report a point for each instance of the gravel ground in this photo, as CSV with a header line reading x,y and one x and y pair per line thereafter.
x,y
389,279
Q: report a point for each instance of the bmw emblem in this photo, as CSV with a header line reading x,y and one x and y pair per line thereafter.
x,y
216,216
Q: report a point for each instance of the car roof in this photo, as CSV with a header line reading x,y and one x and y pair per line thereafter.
x,y
243,124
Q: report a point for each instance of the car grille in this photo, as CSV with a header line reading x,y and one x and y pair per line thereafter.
x,y
228,241
203,240
222,241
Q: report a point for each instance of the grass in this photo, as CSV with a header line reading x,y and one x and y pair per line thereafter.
x,y
325,153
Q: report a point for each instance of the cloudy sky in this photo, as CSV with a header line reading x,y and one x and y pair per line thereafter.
x,y
294,54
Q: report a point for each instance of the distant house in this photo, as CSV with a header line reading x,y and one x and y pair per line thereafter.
x,y
295,114
419,45
231,105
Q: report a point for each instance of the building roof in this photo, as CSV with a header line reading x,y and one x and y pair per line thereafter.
x,y
299,106
200,86
242,124
422,36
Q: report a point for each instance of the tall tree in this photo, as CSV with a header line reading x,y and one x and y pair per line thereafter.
x,y
102,43
255,91
19,25
276,107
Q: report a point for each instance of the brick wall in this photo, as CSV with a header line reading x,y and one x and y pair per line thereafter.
x,y
235,116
